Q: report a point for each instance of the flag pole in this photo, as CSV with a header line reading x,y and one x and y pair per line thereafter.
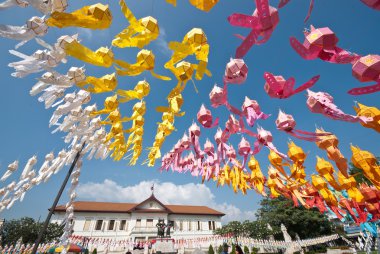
x,y
59,194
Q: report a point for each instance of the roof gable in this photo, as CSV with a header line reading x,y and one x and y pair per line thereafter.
x,y
151,204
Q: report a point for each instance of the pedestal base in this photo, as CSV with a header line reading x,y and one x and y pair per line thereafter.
x,y
164,245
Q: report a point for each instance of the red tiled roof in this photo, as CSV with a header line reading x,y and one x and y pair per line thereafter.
x,y
108,207
105,207
187,209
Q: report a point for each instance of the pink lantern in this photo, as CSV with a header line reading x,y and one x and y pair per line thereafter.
x,y
236,72
286,123
252,112
204,117
244,148
218,96
278,87
323,103
366,68
262,23
322,43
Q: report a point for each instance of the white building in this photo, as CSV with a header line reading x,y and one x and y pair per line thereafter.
x,y
137,222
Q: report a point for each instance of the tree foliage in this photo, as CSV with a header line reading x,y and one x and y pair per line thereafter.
x,y
358,173
233,249
306,223
53,232
210,249
24,228
253,229
220,249
28,229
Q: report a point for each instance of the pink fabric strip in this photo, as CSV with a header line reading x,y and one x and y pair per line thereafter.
x,y
302,51
307,85
310,138
282,3
265,37
365,90
232,109
245,46
243,20
311,6
262,7
269,77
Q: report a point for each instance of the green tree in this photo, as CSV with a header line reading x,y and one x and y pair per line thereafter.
x,y
95,251
210,249
246,249
14,229
220,249
307,223
233,228
233,250
253,229
255,250
28,229
53,232
358,173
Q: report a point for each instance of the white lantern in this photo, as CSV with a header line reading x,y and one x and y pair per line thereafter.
x,y
76,74
59,5
37,25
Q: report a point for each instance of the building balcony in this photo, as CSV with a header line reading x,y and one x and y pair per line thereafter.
x,y
144,230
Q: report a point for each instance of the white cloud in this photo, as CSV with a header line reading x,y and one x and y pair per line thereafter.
x,y
84,33
166,192
88,34
162,44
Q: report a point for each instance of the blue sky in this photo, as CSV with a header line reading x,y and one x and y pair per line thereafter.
x,y
24,126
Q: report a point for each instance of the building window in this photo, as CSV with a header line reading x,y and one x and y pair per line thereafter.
x,y
149,223
98,225
138,223
180,225
122,224
211,225
87,224
190,228
199,228
111,225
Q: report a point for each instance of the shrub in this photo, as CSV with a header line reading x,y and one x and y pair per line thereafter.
x,y
233,249
220,249
255,250
210,250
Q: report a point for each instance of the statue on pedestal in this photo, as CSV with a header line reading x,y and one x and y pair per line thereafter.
x,y
285,233
271,236
168,227
161,229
